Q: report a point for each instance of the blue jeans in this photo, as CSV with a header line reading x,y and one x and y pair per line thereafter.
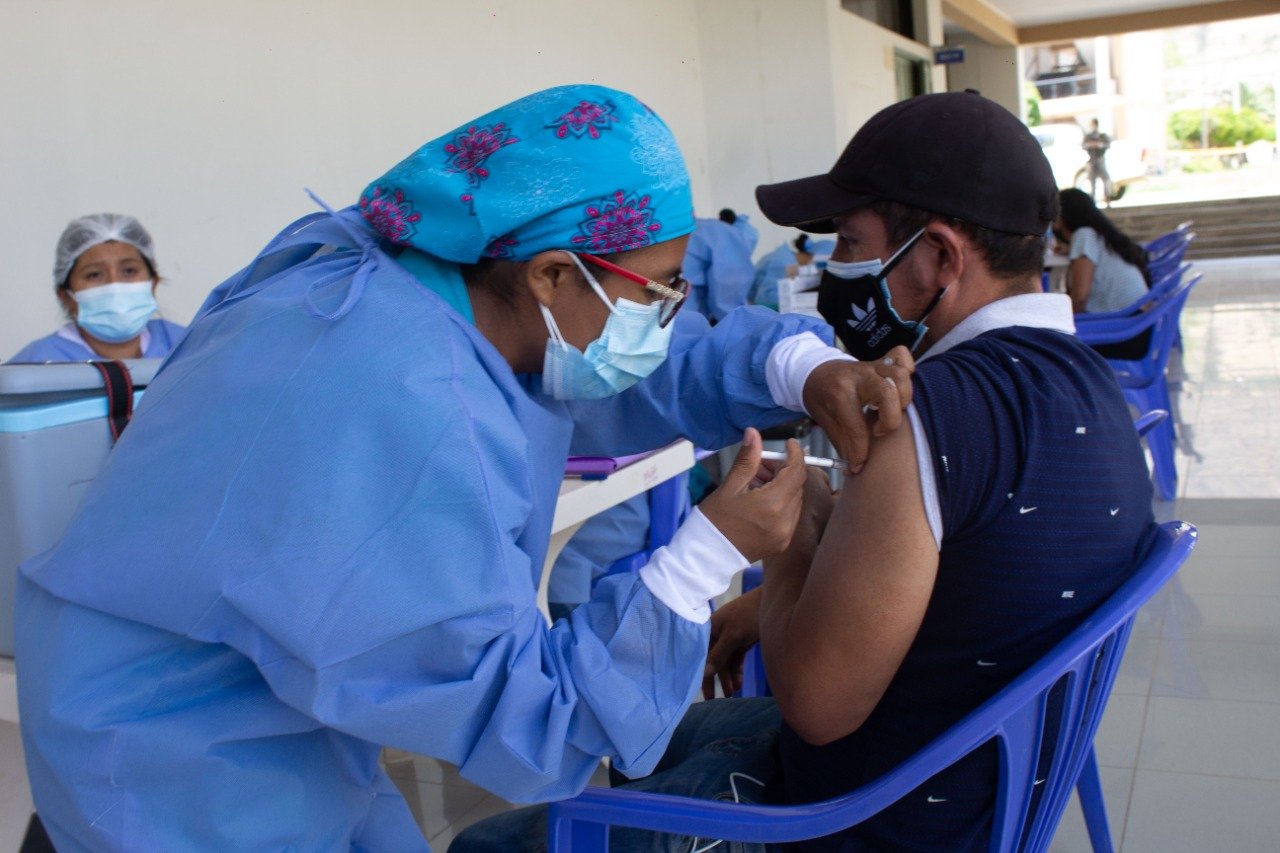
x,y
724,749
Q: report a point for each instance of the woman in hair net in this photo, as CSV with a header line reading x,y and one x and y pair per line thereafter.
x,y
351,462
105,276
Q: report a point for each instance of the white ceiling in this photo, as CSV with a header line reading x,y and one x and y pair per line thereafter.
x,y
1027,13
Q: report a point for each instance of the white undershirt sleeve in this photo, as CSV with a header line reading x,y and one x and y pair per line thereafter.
x,y
791,361
694,568
928,482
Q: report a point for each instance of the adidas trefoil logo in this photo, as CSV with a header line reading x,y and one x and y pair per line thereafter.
x,y
863,318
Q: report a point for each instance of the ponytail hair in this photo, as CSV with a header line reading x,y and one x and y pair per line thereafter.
x,y
1079,211
801,243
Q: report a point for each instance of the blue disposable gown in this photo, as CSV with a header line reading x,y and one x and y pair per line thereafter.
x,y
744,229
323,533
163,337
717,264
603,539
773,266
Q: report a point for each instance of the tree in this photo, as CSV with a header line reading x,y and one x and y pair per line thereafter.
x,y
1032,96
1226,127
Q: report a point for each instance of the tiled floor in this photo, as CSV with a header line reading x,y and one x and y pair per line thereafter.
x,y
1190,744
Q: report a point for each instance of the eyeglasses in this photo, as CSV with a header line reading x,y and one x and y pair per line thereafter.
x,y
672,293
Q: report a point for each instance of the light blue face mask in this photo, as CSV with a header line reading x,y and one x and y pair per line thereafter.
x,y
849,270
115,312
630,348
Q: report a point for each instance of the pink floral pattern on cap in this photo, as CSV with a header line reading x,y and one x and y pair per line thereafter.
x,y
617,224
391,214
470,148
502,248
586,118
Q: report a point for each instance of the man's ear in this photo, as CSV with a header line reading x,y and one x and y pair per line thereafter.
x,y
546,274
947,250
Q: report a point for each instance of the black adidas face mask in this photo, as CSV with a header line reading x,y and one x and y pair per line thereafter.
x,y
854,299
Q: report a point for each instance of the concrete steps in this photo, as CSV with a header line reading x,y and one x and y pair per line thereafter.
x,y
1226,228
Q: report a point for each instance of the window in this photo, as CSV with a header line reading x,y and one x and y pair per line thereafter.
x,y
894,15
1066,57
911,75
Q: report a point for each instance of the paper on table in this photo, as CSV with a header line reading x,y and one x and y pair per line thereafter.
x,y
600,465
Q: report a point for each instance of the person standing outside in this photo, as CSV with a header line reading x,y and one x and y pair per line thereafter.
x,y
1095,145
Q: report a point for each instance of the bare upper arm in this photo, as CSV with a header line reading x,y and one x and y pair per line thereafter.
x,y
864,598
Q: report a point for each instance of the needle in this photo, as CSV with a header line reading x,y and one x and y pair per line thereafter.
x,y
815,461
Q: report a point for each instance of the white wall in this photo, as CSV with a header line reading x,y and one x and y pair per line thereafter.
x,y
991,69
786,85
767,83
206,121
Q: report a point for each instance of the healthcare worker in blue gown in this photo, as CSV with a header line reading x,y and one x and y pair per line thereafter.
x,y
773,266
324,529
718,265
104,275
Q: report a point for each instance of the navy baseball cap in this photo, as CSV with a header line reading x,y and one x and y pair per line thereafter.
x,y
953,153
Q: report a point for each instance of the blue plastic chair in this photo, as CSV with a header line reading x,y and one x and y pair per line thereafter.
x,y
1179,235
1164,255
1085,663
1147,422
1143,381
1160,265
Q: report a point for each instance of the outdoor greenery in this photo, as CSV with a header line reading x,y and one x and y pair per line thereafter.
x,y
1032,95
1253,121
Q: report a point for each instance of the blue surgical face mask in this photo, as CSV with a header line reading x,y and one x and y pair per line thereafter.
x,y
115,312
630,347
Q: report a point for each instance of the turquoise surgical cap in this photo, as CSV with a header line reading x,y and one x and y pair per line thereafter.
x,y
584,168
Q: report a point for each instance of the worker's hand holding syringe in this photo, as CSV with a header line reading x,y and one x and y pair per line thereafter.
x,y
757,518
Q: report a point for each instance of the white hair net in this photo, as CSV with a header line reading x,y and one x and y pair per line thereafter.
x,y
89,231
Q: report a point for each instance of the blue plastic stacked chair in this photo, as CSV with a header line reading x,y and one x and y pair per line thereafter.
x,y
1143,381
1180,235
1148,422
1159,265
1085,664
1164,255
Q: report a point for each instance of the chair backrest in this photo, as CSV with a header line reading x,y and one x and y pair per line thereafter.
x,y
1082,668
1162,319
1159,265
1166,327
1157,245
1148,422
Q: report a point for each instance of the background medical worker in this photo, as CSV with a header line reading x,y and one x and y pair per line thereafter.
x,y
717,264
340,492
104,274
775,265
741,223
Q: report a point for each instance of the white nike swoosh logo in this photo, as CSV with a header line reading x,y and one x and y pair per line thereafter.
x,y
986,663
1026,509
1115,510
936,799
